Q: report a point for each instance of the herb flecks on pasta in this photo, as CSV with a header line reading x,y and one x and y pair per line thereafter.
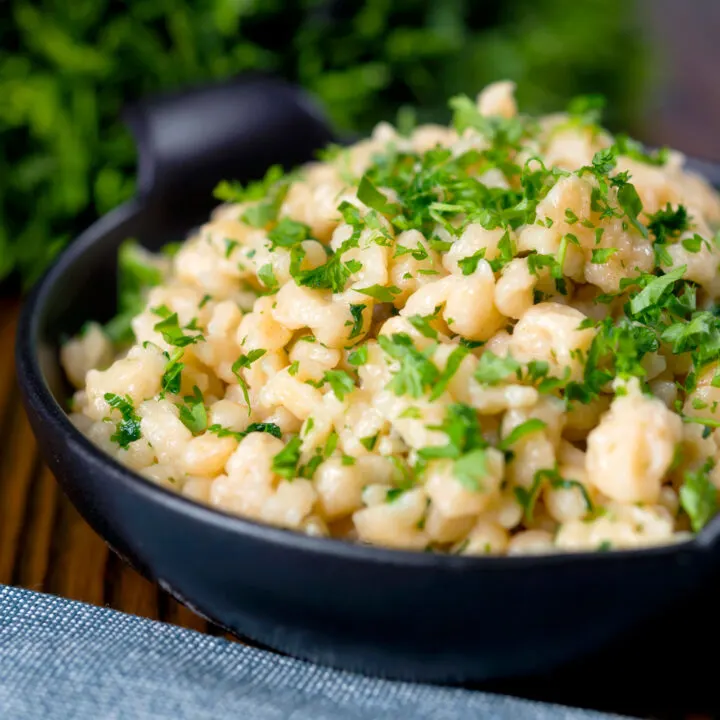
x,y
496,337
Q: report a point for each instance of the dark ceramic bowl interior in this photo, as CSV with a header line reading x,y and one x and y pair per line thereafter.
x,y
414,616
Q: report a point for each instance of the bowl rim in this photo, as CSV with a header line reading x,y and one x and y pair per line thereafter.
x,y
41,401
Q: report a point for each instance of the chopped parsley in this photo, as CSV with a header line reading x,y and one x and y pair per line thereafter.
x,y
451,367
380,293
288,233
422,324
369,442
528,427
468,265
193,414
286,461
466,446
359,356
527,497
417,372
602,255
128,429
493,369
340,383
172,375
172,333
269,428
267,277
331,275
356,311
244,362
266,196
698,496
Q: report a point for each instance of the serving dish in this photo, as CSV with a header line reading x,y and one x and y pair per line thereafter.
x,y
405,615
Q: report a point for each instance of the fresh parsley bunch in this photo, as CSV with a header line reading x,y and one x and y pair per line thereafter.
x,y
67,69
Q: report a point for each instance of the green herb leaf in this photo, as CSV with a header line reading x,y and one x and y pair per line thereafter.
x,y
171,331
380,293
493,369
128,429
285,462
469,264
368,194
422,324
245,361
527,428
451,367
357,315
416,372
471,468
527,497
359,356
172,376
656,290
270,428
693,244
625,145
288,233
369,442
698,496
193,413
340,383
602,255
267,277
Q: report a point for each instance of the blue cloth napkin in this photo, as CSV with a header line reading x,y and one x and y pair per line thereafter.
x,y
64,659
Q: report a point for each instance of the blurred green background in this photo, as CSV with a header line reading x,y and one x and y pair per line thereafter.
x,y
67,67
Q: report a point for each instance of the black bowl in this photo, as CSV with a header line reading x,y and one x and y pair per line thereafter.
x,y
407,615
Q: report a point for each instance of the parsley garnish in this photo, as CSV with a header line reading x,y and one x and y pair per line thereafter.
x,y
698,496
380,293
416,372
358,356
493,369
466,446
451,367
369,442
602,255
469,264
270,428
245,361
172,376
331,275
340,383
527,428
625,145
422,324
171,331
665,225
193,413
527,497
128,429
267,277
288,233
267,194
357,325
285,462
656,290
368,194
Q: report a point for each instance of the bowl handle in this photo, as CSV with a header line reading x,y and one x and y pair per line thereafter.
x,y
187,141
